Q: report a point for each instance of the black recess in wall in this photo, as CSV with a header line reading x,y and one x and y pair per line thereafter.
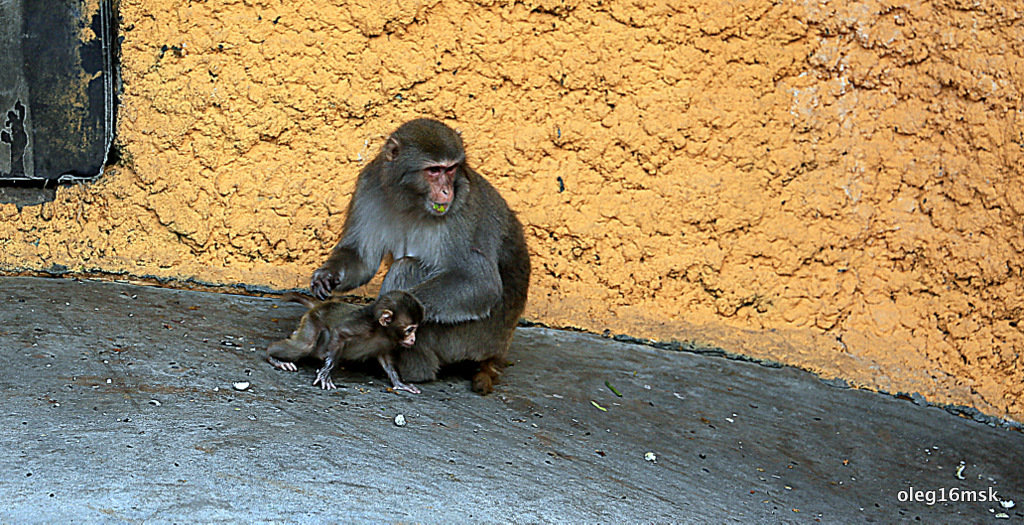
x,y
58,87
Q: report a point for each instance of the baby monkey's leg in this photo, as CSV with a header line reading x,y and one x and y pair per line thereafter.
x,y
323,376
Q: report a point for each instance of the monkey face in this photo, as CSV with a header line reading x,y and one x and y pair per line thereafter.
x,y
441,181
400,314
426,158
408,336
433,184
400,328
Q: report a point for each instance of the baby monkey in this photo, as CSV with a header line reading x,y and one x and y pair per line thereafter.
x,y
326,332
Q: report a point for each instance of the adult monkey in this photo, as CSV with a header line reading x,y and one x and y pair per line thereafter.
x,y
456,246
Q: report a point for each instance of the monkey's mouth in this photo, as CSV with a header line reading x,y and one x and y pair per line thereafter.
x,y
438,208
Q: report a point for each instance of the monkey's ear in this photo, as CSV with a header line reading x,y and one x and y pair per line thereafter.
x,y
391,148
385,317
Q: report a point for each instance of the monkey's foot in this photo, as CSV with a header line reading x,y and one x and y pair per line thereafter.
x,y
398,385
287,366
483,381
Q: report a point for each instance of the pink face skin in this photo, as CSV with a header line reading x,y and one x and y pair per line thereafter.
x,y
410,336
441,178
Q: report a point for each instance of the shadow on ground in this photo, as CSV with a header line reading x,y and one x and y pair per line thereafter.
x,y
118,406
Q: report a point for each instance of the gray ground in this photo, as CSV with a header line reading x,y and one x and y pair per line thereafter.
x,y
118,406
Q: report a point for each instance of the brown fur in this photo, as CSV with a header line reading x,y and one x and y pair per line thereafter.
x,y
326,332
456,246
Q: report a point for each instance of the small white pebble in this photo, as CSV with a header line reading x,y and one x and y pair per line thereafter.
x,y
729,419
216,389
651,457
400,420
1003,516
960,471
1008,504
109,381
241,385
154,402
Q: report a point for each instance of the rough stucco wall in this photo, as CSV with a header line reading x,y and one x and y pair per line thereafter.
x,y
837,187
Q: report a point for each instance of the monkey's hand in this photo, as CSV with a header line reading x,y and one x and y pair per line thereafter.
x,y
398,385
324,280
324,378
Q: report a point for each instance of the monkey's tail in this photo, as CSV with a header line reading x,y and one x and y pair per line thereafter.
x,y
299,298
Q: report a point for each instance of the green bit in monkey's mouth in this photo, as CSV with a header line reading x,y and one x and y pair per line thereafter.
x,y
440,208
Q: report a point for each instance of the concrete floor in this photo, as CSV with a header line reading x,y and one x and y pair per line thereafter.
x,y
118,406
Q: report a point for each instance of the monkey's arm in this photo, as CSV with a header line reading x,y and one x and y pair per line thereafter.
x,y
387,362
343,270
464,292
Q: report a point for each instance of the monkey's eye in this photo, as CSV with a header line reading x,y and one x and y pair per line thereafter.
x,y
410,329
435,170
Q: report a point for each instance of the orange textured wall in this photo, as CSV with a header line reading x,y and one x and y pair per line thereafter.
x,y
835,185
